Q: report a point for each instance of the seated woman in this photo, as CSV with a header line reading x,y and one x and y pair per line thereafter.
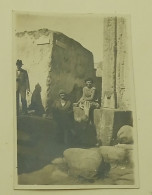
x,y
88,100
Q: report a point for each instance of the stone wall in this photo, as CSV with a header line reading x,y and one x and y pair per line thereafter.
x,y
34,49
56,62
70,64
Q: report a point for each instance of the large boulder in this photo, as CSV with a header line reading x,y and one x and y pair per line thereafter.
x,y
129,149
58,161
113,155
85,163
125,135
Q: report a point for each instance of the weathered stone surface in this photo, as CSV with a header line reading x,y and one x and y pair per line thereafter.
x,y
58,161
125,135
109,65
35,57
79,114
127,177
124,182
52,59
124,65
83,162
121,175
97,122
116,76
47,175
129,149
113,155
107,123
125,146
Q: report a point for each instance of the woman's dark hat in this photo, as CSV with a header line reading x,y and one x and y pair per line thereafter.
x,y
37,86
19,62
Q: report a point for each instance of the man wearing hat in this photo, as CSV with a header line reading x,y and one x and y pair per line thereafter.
x,y
63,114
22,86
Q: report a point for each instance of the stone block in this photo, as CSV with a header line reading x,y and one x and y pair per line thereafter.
x,y
113,155
129,148
97,122
84,163
125,135
52,59
108,122
79,114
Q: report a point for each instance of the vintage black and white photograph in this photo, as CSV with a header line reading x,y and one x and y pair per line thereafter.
x,y
74,101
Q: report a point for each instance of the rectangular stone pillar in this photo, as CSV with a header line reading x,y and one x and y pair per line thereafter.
x,y
104,120
108,122
115,79
109,63
123,71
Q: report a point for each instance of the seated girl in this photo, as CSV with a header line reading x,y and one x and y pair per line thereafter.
x,y
88,100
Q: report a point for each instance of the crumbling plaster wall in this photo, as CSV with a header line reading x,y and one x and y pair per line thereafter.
x,y
36,56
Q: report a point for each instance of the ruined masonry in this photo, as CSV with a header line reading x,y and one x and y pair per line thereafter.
x,y
116,108
55,61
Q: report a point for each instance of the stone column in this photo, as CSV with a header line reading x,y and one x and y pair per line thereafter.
x,y
109,63
122,73
115,79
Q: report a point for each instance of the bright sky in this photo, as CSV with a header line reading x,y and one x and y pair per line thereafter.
x,y
86,29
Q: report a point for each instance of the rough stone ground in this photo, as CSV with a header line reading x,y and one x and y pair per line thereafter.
x,y
40,159
54,174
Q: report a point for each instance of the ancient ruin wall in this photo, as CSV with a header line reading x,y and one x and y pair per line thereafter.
x,y
56,62
34,49
70,64
117,81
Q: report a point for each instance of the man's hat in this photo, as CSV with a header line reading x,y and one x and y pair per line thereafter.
x,y
19,62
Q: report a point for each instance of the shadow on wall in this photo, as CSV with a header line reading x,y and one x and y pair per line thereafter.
x,y
36,101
